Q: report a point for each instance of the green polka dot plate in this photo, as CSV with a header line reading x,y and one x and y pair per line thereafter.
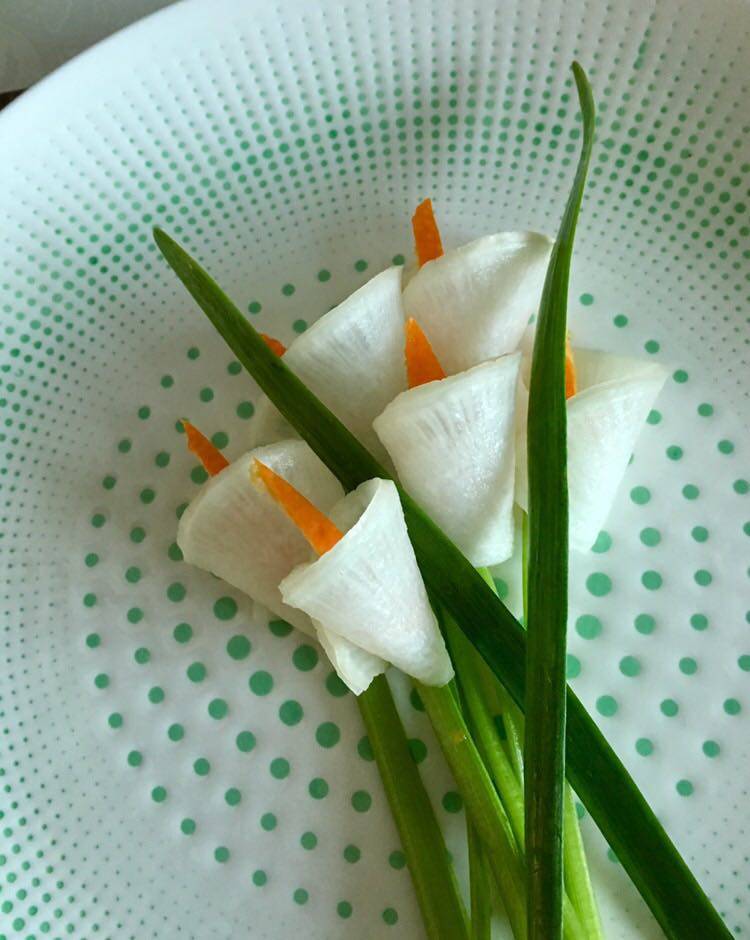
x,y
174,763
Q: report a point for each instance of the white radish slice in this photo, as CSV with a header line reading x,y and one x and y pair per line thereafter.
x,y
475,301
368,589
605,418
237,531
453,445
352,358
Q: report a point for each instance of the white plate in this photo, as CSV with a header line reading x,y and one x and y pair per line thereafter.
x,y
286,145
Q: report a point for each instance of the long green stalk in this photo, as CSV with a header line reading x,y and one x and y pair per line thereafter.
x,y
578,885
598,776
480,887
422,840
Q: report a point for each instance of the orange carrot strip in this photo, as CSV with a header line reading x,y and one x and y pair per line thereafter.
x,y
275,345
422,365
316,527
426,233
571,383
210,456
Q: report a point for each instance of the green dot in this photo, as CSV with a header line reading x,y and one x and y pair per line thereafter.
x,y
89,600
287,290
135,758
654,416
133,575
711,748
645,623
280,628
744,662
101,681
344,909
651,580
259,877
725,447
324,275
158,794
651,346
674,452
361,801
680,376
193,352
225,608
300,896
732,706
238,647
602,544
644,747
124,445
175,732
572,666
93,640
162,459
364,749
196,672
416,702
261,682
417,749
699,533
650,537
245,741
703,577
620,320
221,854
254,307
327,734
156,695
218,708
279,768
220,439
245,410
291,712
182,632
606,705
98,520
305,657
308,840
91,560
452,802
699,622
115,720
740,487
176,592
640,495
352,854
688,666
335,686
587,299
299,326
174,552
705,410
109,482
390,916
147,495
398,260
684,787
630,666
669,707
690,491
268,822
137,534
187,826
318,788
598,584
202,767
206,394
135,615
397,859
233,368
588,626
167,381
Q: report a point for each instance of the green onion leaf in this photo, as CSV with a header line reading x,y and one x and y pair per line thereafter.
x,y
544,750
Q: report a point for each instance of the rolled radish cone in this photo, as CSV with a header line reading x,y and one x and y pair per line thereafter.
x,y
475,301
237,531
352,358
605,417
453,445
368,589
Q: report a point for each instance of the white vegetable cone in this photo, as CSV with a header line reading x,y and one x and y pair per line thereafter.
x,y
237,532
605,417
453,445
368,589
352,358
475,301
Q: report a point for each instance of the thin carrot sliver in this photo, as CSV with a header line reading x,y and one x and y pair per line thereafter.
x,y
275,345
209,455
316,527
426,233
422,365
571,382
